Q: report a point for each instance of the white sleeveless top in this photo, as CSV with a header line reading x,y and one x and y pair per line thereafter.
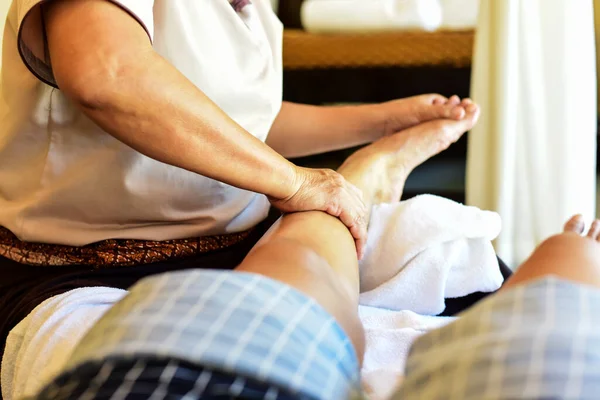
x,y
63,180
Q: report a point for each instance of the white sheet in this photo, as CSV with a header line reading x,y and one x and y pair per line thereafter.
x,y
39,346
389,336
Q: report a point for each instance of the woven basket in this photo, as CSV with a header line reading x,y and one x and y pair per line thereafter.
x,y
303,50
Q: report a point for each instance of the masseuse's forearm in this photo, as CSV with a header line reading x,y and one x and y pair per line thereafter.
x,y
103,60
158,112
301,130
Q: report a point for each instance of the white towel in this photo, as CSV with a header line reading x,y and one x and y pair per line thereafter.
x,y
389,335
426,249
340,16
459,14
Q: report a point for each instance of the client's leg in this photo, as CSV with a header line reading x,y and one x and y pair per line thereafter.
x,y
568,255
314,252
537,338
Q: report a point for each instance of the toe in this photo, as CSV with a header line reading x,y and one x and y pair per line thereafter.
x,y
457,113
454,100
426,139
442,111
453,130
576,224
594,230
439,100
466,102
472,113
472,108
449,131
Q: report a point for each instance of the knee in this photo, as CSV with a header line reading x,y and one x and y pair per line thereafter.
x,y
568,245
568,256
336,294
301,267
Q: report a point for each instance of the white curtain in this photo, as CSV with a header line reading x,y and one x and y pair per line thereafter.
x,y
532,157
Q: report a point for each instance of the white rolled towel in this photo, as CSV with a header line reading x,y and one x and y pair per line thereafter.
x,y
459,14
426,249
343,16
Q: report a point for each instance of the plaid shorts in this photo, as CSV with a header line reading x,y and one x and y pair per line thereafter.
x,y
535,341
211,334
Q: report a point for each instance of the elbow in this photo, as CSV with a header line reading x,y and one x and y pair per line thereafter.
x,y
90,99
89,91
94,87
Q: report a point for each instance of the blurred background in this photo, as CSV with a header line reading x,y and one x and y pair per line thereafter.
x,y
531,64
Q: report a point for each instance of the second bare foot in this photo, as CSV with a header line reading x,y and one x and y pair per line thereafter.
x,y
381,169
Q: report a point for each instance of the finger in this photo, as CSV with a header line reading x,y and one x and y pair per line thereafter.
x,y
352,216
359,196
361,243
360,249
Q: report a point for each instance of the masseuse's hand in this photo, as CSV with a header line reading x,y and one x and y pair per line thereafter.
x,y
411,111
326,190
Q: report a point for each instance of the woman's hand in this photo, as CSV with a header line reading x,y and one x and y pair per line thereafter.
x,y
326,190
411,111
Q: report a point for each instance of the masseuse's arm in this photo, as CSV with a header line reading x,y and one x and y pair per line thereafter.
x,y
301,130
103,60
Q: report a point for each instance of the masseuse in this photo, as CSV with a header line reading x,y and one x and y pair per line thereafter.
x,y
141,136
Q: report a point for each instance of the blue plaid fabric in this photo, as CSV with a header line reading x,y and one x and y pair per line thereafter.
x,y
153,378
536,341
229,329
223,335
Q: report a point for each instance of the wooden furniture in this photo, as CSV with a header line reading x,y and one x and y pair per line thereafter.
x,y
303,50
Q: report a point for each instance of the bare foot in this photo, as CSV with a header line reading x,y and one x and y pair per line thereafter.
x,y
380,169
411,111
